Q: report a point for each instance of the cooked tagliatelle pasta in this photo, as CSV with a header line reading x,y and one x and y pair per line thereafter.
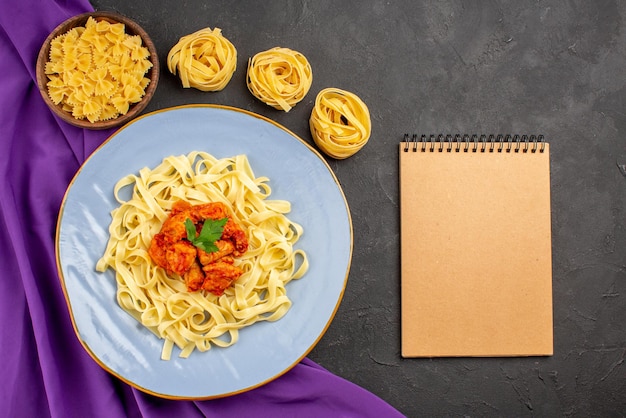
x,y
279,77
204,60
340,123
97,71
161,302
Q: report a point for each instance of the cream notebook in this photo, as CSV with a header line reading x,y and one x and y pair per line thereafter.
x,y
476,256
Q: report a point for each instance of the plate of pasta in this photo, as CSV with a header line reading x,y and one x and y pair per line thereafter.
x,y
248,303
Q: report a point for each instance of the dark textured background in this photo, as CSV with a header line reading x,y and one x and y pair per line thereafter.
x,y
555,68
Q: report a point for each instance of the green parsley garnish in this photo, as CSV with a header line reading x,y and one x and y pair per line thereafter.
x,y
211,232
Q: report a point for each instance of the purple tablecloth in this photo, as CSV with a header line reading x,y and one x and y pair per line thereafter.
x,y
46,371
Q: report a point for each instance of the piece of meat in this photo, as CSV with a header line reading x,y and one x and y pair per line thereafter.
x,y
212,210
180,256
194,277
157,250
219,276
224,248
174,257
237,236
173,228
179,206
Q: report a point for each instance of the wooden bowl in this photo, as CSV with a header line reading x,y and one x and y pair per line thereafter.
x,y
131,28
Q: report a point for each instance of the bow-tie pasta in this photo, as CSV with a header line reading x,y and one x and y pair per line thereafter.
x,y
97,72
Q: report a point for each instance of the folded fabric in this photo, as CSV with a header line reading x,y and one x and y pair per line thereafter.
x,y
46,371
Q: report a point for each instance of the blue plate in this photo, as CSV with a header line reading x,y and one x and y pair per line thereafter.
x,y
265,350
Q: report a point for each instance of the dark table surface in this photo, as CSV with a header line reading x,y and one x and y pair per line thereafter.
x,y
543,67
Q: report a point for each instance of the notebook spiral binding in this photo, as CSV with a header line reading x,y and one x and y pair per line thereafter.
x,y
474,143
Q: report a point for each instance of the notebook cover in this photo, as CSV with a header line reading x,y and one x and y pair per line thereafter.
x,y
476,263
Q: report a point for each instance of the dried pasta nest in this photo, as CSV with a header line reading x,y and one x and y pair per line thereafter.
x,y
340,123
204,60
279,77
97,70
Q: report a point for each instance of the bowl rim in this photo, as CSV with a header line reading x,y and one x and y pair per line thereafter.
x,y
80,20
